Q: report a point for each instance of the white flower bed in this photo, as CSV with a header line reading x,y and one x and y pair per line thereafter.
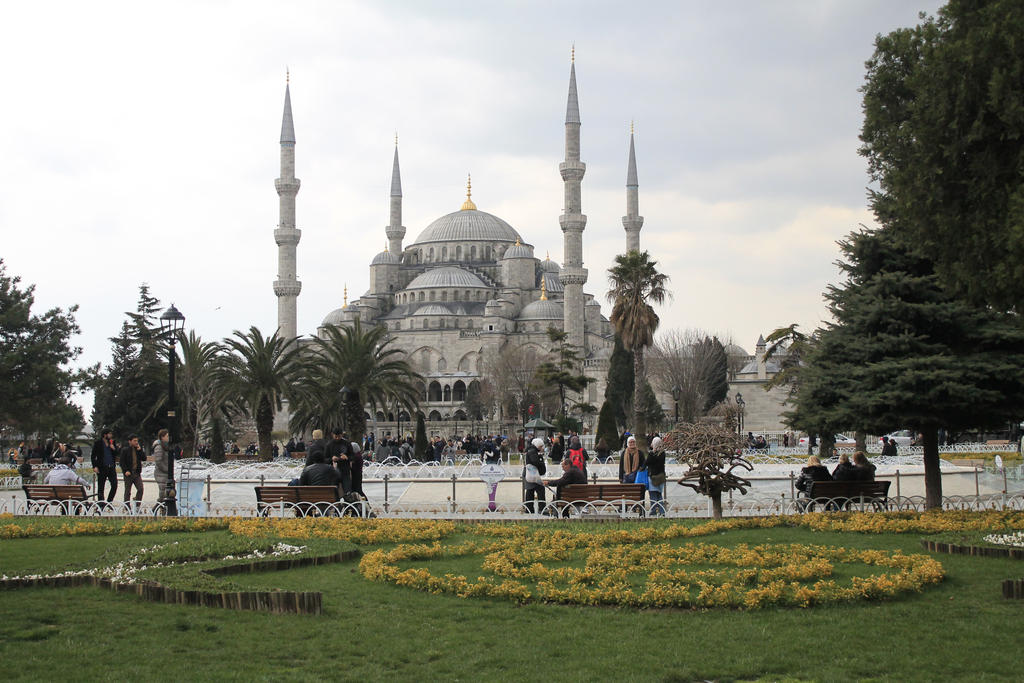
x,y
1015,539
127,570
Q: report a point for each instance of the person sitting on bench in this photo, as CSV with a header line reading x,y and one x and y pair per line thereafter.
x,y
63,475
319,474
570,475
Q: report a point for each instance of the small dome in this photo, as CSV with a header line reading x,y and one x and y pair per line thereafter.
x,y
519,251
468,225
552,283
593,302
542,309
335,317
549,266
433,309
735,350
384,257
449,276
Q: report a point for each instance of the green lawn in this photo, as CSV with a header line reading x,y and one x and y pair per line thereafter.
x,y
961,629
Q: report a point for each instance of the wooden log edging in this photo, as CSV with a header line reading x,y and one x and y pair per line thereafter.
x,y
1013,589
972,550
275,602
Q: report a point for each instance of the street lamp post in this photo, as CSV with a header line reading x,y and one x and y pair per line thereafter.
x,y
172,322
398,418
676,393
740,403
345,393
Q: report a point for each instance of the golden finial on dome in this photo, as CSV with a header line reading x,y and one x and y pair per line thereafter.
x,y
543,289
468,205
630,128
396,138
519,242
287,75
346,296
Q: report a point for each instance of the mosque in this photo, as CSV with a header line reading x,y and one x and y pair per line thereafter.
x,y
470,285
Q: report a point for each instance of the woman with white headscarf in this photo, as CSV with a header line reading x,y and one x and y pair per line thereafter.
x,y
631,462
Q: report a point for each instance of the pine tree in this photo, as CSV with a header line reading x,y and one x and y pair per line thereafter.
x,y
619,389
421,438
905,352
715,371
606,428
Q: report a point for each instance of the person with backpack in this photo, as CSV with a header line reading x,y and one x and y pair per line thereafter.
x,y
533,471
578,455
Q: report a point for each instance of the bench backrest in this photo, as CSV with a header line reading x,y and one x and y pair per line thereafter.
x,y
606,492
849,489
54,492
296,494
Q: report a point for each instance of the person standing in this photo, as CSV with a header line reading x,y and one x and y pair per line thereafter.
x,y
337,454
534,492
578,454
164,472
132,458
316,451
656,477
104,459
631,462
557,449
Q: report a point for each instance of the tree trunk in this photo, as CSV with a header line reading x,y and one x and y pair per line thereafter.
x,y
825,446
861,441
932,474
639,378
716,504
264,426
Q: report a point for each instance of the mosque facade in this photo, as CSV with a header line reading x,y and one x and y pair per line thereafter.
x,y
469,285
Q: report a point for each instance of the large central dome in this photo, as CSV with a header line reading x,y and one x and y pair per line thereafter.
x,y
468,225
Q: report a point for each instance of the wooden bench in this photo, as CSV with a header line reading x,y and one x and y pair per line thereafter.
x,y
65,496
842,494
306,500
577,495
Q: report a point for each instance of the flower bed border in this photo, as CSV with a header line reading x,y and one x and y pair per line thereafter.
x,y
972,550
275,602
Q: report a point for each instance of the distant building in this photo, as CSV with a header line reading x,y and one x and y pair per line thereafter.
x,y
762,410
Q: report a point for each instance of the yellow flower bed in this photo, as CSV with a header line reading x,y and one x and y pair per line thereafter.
x,y
361,531
625,569
100,528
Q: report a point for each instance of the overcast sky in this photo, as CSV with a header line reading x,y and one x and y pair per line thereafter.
x,y
140,144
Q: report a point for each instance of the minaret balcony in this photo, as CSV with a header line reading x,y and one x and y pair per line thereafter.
x,y
572,170
287,236
287,287
287,185
573,276
572,222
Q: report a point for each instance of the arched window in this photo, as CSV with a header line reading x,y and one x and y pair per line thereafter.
x,y
442,365
435,392
403,416
444,253
455,295
444,295
430,254
421,296
425,323
460,415
458,253
487,253
380,416
459,391
467,295
472,253
447,394
434,416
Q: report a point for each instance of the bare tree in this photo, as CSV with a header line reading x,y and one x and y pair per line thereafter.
x,y
685,360
712,452
514,374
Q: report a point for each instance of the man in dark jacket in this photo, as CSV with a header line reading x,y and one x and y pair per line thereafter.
x,y
132,457
104,464
317,447
319,474
339,455
570,475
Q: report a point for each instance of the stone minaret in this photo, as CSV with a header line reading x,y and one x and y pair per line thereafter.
x,y
572,220
395,230
632,221
287,287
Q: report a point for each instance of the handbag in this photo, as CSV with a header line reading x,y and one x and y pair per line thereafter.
x,y
642,478
658,480
533,475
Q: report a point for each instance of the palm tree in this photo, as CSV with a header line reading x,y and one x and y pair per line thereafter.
x,y
361,360
199,397
635,281
255,375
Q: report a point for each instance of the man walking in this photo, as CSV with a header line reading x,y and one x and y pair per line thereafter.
x,y
104,456
337,454
132,458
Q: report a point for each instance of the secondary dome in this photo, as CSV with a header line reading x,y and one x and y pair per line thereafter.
x,y
335,317
448,276
549,266
519,250
384,257
433,309
468,225
542,309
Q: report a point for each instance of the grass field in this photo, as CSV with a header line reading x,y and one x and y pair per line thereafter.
x,y
959,629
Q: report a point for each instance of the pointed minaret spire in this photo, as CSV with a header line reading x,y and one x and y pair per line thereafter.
x,y
573,275
287,126
286,235
395,230
632,221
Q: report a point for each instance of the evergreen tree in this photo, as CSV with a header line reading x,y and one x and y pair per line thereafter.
x,y
906,353
35,351
421,438
654,414
606,428
619,389
563,372
715,371
216,440
943,115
